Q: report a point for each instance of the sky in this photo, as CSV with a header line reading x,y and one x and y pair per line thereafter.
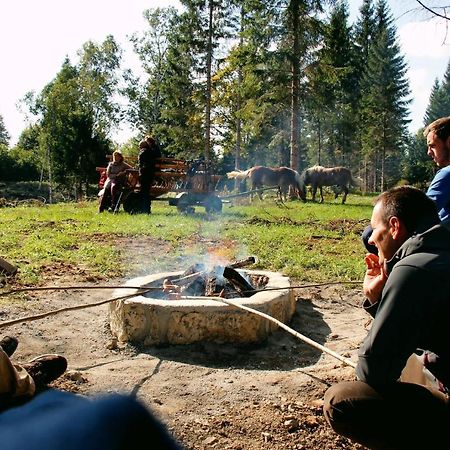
x,y
36,36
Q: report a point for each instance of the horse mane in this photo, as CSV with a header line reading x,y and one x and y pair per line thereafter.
x,y
238,174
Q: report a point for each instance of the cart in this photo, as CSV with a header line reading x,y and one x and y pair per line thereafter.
x,y
192,181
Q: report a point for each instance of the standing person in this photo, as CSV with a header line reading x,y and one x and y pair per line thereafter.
x,y
437,134
116,172
148,153
438,144
407,289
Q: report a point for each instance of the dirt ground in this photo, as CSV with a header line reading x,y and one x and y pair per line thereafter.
x,y
210,396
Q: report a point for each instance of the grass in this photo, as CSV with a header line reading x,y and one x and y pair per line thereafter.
x,y
309,241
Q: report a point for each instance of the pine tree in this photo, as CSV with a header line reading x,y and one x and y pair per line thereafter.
x,y
384,103
332,96
4,135
166,103
211,22
439,103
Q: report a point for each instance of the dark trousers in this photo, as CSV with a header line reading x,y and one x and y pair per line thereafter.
x,y
110,196
56,420
398,416
145,180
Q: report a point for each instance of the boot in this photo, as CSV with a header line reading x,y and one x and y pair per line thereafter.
x,y
9,345
45,369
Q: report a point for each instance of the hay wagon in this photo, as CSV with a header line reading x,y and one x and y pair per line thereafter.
x,y
192,181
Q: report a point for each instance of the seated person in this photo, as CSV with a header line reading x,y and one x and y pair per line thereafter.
x,y
407,290
19,383
116,173
55,420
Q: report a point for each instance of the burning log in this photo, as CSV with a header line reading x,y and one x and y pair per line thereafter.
x,y
220,281
238,281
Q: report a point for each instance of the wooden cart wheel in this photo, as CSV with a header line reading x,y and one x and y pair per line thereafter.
x,y
213,204
184,205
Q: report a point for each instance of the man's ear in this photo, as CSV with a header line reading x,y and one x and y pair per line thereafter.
x,y
397,228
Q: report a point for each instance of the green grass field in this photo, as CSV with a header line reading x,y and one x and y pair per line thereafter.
x,y
309,241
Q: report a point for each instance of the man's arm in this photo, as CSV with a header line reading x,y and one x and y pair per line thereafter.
x,y
396,328
439,189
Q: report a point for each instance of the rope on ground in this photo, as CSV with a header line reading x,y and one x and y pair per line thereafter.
x,y
69,308
159,288
141,290
289,330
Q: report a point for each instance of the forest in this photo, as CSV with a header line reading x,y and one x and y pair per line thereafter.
x,y
237,83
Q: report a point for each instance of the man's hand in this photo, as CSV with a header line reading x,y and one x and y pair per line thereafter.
x,y
375,278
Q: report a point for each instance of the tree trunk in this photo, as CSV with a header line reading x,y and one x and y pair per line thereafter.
x,y
208,85
237,154
295,87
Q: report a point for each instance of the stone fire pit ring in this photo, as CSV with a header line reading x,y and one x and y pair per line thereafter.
x,y
150,321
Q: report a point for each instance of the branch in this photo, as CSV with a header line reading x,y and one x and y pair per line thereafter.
x,y
432,11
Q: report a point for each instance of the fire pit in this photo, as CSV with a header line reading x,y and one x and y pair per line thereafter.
x,y
151,320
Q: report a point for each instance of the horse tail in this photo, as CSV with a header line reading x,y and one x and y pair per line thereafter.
x,y
238,174
355,181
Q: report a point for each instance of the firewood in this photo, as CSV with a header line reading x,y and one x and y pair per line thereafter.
x,y
238,281
5,266
243,262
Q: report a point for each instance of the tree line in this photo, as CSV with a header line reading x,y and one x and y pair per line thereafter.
x,y
237,83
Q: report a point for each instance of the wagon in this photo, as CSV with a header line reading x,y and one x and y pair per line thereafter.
x,y
192,181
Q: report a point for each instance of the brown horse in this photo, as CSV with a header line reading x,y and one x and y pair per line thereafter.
x,y
318,176
281,177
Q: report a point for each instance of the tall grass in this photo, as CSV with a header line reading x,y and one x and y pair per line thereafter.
x,y
309,241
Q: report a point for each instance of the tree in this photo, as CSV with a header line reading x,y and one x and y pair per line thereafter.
x,y
300,36
76,112
212,21
384,104
418,168
439,103
332,93
167,104
98,81
4,135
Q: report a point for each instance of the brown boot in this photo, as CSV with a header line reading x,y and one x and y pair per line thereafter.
x,y
9,344
46,368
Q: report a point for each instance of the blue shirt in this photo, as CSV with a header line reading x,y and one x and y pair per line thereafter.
x,y
439,191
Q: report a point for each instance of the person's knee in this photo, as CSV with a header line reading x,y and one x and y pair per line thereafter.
x,y
346,403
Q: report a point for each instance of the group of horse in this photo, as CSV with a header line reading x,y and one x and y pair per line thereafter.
x,y
290,182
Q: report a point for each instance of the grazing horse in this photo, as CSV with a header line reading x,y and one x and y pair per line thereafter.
x,y
283,177
318,176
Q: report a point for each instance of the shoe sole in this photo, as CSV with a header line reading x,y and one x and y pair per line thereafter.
x,y
40,356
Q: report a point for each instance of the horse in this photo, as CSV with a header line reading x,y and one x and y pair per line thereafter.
x,y
282,177
318,176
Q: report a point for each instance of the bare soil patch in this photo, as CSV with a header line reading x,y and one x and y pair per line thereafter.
x,y
210,396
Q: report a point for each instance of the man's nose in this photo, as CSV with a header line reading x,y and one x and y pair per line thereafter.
x,y
429,152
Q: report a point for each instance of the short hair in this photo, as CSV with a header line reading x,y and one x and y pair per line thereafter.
x,y
143,144
411,205
440,126
118,153
150,140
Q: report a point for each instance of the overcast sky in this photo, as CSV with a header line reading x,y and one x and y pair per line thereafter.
x,y
36,36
